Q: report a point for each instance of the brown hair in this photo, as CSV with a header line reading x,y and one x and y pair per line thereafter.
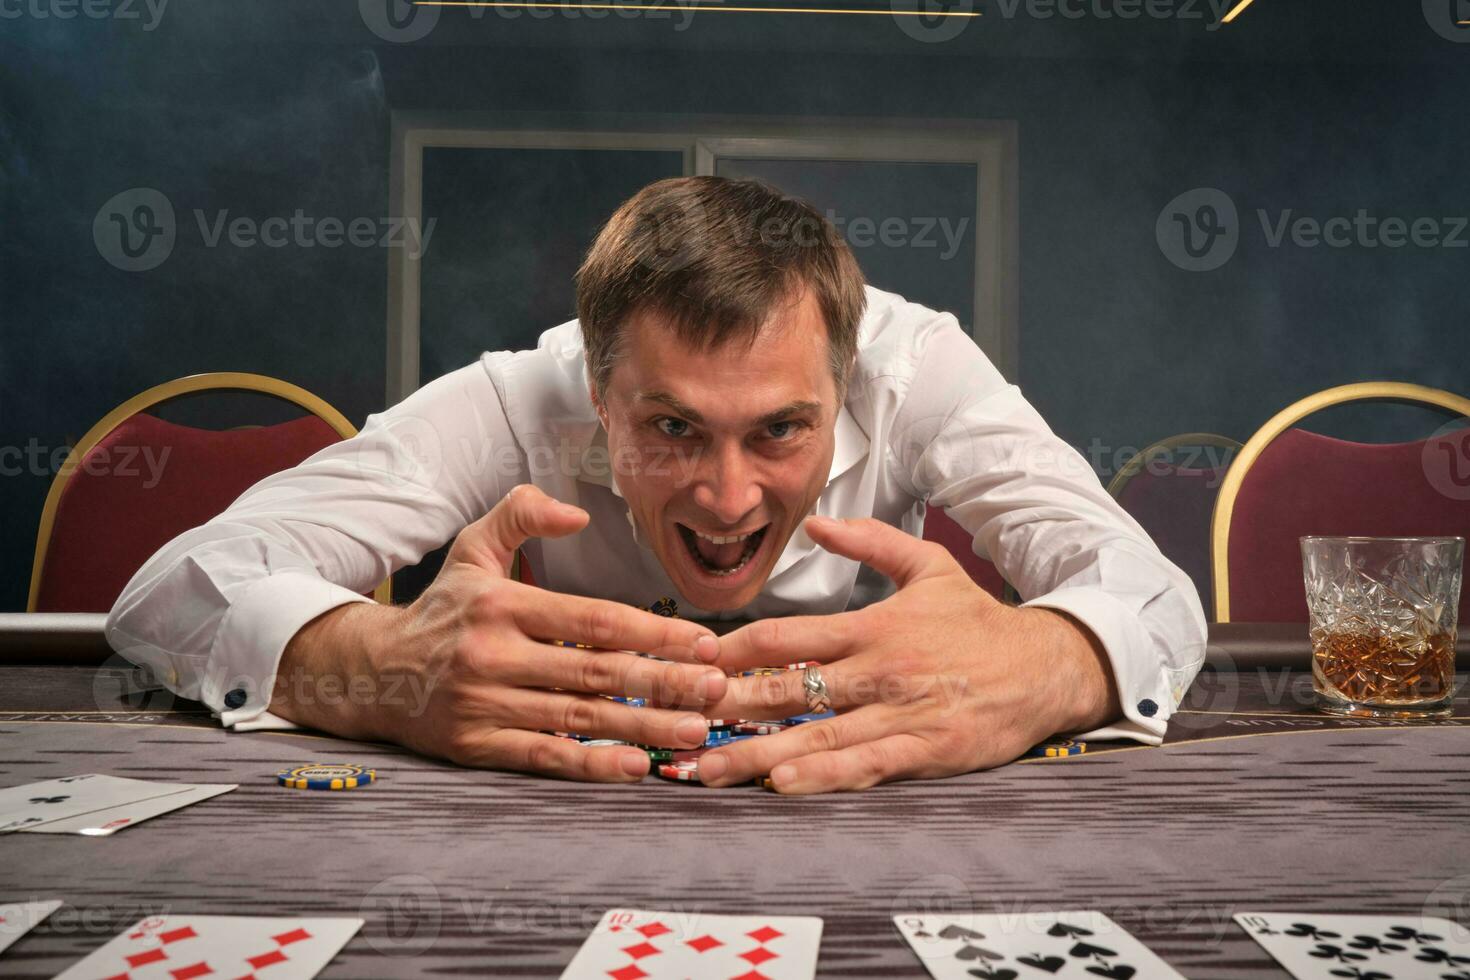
x,y
715,255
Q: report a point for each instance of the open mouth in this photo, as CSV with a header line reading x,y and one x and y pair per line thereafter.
x,y
722,554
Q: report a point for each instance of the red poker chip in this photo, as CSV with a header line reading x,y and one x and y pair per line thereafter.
x,y
687,771
760,727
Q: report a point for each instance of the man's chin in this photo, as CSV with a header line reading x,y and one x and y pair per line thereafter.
x,y
717,597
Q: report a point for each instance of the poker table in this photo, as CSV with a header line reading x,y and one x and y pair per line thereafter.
x,y
1254,802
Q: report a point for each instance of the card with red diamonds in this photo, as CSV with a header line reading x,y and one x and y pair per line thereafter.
x,y
191,947
635,944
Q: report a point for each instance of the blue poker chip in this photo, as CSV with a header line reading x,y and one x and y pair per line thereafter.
x,y
1056,747
319,776
724,738
811,716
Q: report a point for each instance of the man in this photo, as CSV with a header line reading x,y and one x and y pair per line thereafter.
x,y
734,419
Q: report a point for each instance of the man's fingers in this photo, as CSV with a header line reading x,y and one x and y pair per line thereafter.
x,y
525,512
744,761
783,695
784,640
617,674
595,717
548,755
902,557
611,625
901,756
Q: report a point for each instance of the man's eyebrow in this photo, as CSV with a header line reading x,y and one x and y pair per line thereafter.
x,y
795,408
672,403
684,411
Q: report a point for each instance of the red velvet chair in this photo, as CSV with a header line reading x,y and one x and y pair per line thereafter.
x,y
1170,489
1286,483
108,510
943,529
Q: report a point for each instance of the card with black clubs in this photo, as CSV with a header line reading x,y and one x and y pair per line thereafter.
x,y
1072,945
1362,947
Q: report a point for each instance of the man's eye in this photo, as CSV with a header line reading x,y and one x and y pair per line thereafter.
x,y
672,427
782,430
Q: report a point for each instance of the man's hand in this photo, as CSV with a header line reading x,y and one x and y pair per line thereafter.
x,y
475,646
937,679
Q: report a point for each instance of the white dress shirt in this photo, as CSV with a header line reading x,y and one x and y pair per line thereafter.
x,y
927,418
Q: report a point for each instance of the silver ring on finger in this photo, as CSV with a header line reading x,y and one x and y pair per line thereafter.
x,y
818,698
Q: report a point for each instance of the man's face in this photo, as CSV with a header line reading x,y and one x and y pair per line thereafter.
x,y
728,448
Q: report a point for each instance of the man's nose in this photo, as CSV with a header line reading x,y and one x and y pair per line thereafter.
x,y
727,487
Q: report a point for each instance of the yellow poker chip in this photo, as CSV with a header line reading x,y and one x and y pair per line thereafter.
x,y
319,776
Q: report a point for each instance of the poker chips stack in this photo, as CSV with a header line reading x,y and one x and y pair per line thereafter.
x,y
1053,748
319,776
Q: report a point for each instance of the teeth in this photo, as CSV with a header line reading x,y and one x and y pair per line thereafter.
x,y
728,539
751,547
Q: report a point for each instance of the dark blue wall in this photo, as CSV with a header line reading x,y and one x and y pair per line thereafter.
x,y
267,107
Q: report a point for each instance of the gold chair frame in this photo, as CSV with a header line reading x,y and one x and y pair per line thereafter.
x,y
169,390
1135,465
1286,418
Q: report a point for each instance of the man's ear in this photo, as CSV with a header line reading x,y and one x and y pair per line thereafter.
x,y
597,404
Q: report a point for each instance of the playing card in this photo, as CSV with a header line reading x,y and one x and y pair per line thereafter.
x,y
183,947
101,823
18,919
1079,945
636,943
27,806
1361,947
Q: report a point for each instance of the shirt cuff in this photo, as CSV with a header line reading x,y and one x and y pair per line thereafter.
x,y
251,638
1144,685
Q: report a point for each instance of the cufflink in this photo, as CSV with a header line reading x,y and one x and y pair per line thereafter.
x,y
1147,708
235,698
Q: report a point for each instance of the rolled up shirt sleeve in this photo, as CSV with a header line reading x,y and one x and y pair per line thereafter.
x,y
211,612
969,442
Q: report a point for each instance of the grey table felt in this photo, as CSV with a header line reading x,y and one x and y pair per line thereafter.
x,y
470,873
